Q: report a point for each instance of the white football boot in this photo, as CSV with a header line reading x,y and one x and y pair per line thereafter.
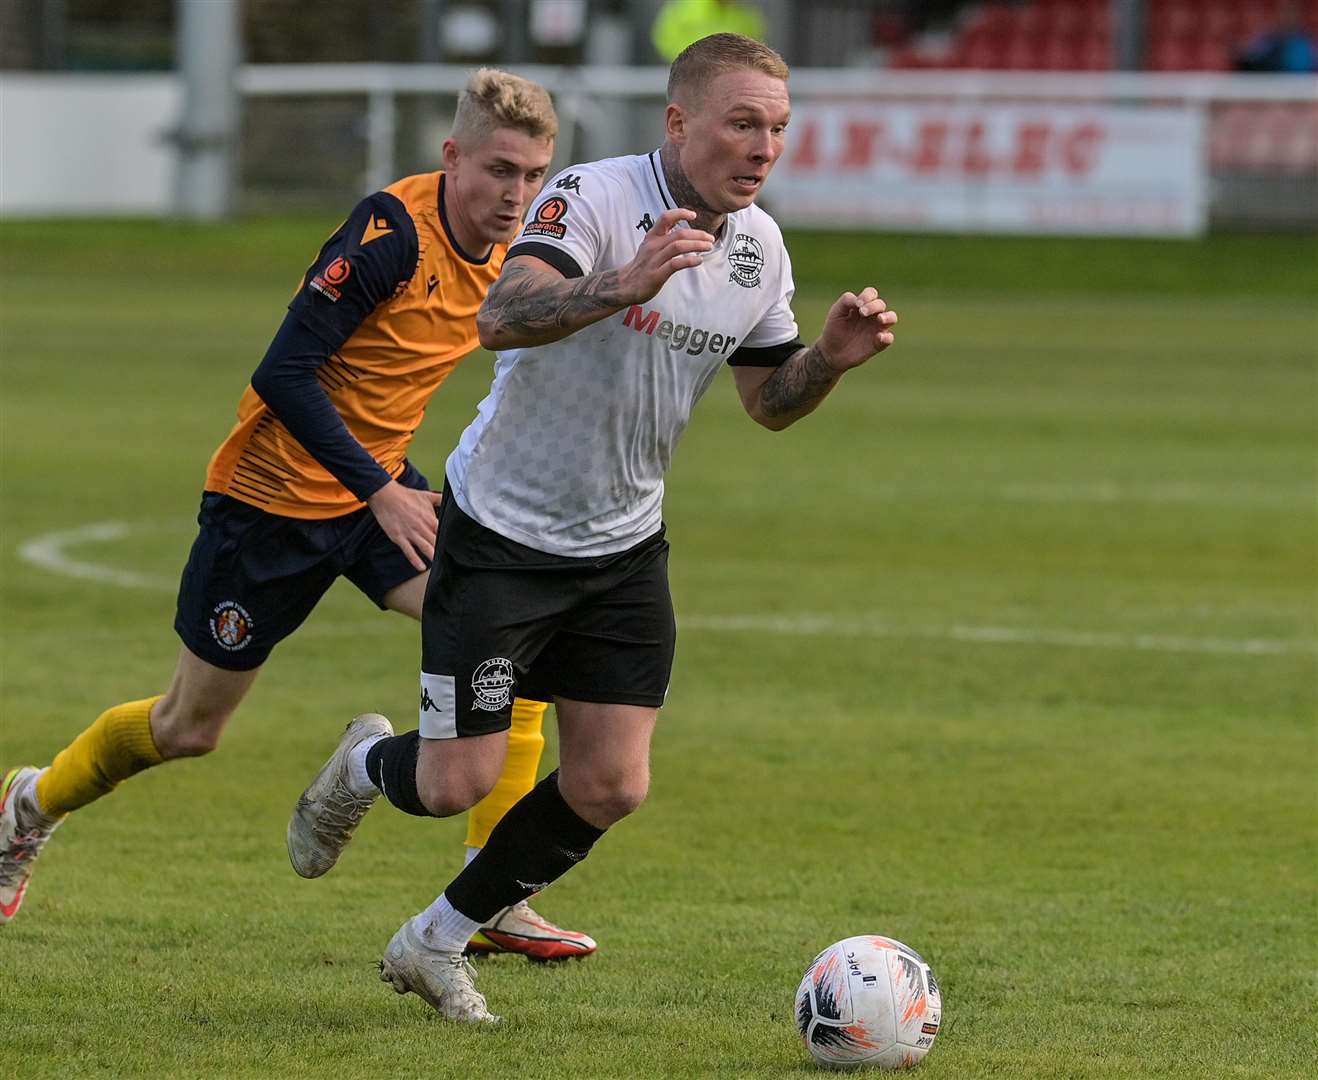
x,y
519,929
443,980
328,811
19,844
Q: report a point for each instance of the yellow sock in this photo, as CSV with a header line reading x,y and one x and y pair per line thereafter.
x,y
525,745
118,745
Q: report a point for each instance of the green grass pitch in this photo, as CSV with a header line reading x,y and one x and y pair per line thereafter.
x,y
1007,652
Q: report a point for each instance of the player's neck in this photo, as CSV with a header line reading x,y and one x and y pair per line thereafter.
x,y
461,231
685,194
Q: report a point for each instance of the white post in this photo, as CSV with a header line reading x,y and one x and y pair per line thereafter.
x,y
381,120
208,47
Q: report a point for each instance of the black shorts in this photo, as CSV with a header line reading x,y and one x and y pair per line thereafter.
x,y
503,620
253,577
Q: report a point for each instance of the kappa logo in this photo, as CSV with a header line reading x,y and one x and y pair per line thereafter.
x,y
548,219
747,259
646,223
569,183
492,683
231,625
427,702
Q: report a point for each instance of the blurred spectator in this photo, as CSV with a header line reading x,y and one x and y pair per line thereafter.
x,y
1288,47
681,22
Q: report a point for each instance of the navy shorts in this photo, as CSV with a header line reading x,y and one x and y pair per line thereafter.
x,y
503,620
253,577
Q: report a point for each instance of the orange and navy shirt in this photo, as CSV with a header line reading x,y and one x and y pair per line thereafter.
x,y
380,319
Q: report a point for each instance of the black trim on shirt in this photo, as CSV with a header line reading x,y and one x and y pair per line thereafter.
x,y
355,272
443,218
768,356
659,183
556,257
288,381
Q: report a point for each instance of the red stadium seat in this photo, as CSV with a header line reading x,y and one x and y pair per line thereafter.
x,y
1211,55
1169,53
1172,18
1096,53
983,52
1063,53
1025,52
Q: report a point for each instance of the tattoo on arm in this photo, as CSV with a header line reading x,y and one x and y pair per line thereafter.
x,y
521,302
801,383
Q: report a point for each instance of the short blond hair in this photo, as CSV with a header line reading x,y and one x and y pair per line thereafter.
x,y
702,61
498,99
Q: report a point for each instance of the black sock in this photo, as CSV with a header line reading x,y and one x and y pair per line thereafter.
x,y
536,842
391,765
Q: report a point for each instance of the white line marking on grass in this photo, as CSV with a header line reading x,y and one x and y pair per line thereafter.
x,y
50,551
1106,492
815,625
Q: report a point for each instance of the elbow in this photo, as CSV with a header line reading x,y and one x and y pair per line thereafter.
x,y
775,423
487,331
262,383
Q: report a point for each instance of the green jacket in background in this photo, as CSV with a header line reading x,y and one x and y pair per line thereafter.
x,y
680,22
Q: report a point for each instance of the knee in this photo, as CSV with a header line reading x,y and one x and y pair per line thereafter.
x,y
187,730
606,800
626,798
445,796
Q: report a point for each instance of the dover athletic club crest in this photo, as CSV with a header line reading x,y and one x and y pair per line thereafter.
x,y
747,259
492,684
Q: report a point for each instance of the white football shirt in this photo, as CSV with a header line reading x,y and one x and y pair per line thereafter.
x,y
568,451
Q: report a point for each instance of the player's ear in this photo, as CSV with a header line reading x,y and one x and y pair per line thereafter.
x,y
450,153
675,123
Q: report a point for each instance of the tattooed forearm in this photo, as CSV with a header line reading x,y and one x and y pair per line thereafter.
x,y
523,303
799,385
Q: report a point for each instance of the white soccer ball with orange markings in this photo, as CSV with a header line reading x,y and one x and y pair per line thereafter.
x,y
869,1001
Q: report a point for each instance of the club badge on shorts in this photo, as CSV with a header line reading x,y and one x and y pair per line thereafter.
x,y
231,625
492,683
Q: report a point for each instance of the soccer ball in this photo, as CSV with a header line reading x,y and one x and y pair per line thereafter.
x,y
868,1001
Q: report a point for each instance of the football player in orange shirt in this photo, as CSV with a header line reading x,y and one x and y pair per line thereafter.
x,y
313,483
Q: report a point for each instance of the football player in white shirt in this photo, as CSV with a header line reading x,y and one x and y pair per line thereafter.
x,y
634,281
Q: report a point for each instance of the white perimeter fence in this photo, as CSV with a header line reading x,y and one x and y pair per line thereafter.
x,y
1132,153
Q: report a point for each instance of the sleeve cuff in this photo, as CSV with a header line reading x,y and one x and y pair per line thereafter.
x,y
556,257
769,356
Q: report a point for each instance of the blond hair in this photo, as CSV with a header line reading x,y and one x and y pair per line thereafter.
x,y
498,99
702,61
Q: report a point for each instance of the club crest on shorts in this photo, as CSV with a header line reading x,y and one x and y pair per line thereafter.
x,y
492,683
747,260
231,625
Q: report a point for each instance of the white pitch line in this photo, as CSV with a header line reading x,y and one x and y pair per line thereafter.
x,y
1106,493
50,552
842,626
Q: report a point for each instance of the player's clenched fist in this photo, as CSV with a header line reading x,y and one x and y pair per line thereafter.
x,y
858,326
665,250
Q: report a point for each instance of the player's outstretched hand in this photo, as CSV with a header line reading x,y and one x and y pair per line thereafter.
x,y
665,250
858,326
408,517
